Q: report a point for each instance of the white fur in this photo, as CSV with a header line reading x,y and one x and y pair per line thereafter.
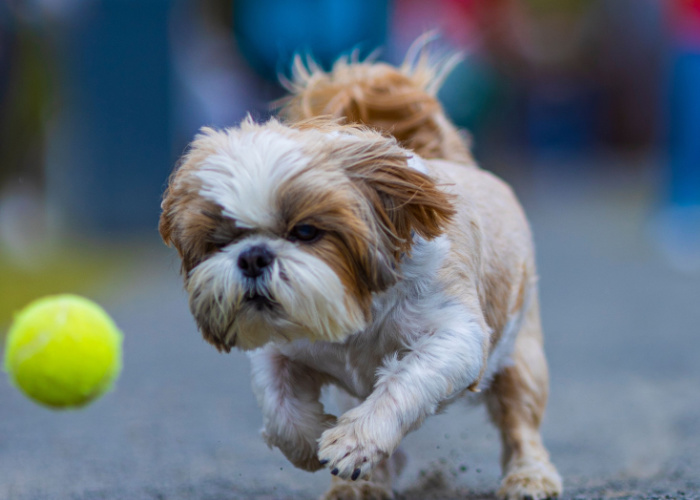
x,y
245,175
500,356
416,163
421,349
217,289
423,343
292,424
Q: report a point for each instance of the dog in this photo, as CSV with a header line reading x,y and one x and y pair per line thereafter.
x,y
355,243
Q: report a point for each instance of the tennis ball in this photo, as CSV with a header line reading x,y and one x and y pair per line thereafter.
x,y
63,351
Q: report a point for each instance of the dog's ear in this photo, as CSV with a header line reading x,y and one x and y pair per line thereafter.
x,y
403,199
185,216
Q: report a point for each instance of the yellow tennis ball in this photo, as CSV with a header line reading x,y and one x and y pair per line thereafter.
x,y
63,351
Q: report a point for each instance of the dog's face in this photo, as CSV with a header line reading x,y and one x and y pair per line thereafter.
x,y
286,233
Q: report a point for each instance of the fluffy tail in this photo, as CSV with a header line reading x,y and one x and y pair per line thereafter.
x,y
400,101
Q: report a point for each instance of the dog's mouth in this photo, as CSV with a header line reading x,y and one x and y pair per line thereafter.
x,y
260,302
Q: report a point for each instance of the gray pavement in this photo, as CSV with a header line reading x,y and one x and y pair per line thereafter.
x,y
623,338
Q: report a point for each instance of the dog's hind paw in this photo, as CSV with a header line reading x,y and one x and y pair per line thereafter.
x,y
533,480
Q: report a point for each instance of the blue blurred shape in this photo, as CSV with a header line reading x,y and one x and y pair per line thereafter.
x,y
269,32
114,150
685,128
677,226
560,117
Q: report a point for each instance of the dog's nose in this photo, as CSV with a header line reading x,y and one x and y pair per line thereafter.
x,y
253,261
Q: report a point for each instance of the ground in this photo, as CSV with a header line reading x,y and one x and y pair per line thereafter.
x,y
623,419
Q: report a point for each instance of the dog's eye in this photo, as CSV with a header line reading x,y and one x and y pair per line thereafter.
x,y
219,242
224,236
305,232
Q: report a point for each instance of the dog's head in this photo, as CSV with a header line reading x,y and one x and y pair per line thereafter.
x,y
286,232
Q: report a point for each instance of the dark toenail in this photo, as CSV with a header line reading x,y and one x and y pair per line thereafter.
x,y
324,461
355,474
335,472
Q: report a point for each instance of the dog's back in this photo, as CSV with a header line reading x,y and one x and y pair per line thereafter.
x,y
400,101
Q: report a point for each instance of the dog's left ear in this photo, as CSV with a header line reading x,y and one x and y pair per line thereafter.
x,y
403,199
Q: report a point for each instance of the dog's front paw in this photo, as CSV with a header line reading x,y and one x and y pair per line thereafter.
x,y
348,451
532,479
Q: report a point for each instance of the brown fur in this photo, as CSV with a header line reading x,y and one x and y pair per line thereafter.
x,y
516,403
185,216
370,213
402,199
492,261
396,101
367,213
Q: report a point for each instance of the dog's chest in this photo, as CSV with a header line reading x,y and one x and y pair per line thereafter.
x,y
352,364
400,315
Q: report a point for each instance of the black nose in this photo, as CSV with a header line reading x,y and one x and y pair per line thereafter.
x,y
253,261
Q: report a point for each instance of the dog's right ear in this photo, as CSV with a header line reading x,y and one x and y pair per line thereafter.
x,y
404,200
399,201
185,216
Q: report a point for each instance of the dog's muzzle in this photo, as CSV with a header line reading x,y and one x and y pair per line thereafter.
x,y
253,263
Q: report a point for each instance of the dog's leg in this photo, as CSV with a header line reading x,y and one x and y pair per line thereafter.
x,y
293,416
516,401
378,485
438,365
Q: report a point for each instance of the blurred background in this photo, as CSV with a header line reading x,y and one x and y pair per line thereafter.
x,y
589,108
99,98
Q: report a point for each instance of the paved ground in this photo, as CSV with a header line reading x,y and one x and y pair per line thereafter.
x,y
623,421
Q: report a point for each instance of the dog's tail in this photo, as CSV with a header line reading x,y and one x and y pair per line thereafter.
x,y
400,101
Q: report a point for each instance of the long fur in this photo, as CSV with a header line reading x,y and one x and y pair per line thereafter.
x,y
416,287
253,184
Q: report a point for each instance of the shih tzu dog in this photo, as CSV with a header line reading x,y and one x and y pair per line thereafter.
x,y
357,244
